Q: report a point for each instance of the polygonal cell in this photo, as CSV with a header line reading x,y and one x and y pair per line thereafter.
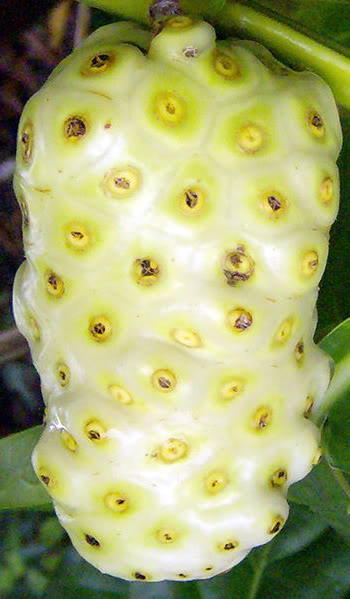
x,y
169,109
312,122
80,130
251,134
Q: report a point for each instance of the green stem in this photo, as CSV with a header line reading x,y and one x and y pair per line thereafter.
x,y
259,571
135,10
138,10
296,47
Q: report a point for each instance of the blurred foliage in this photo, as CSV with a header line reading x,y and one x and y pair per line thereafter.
x,y
310,560
31,548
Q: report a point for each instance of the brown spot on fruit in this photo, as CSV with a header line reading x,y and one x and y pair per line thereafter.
x,y
170,109
192,200
316,124
164,380
121,183
75,128
299,352
276,525
216,481
190,52
27,141
92,541
240,320
238,266
228,546
95,431
100,328
77,236
232,388
279,477
262,418
166,535
273,204
116,502
46,478
309,264
98,63
63,373
146,271
141,577
54,284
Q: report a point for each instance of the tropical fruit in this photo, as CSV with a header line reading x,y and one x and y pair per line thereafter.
x,y
177,195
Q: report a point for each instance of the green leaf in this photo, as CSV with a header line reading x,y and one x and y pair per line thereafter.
x,y
302,528
335,436
337,342
19,486
334,298
320,571
324,494
76,573
337,345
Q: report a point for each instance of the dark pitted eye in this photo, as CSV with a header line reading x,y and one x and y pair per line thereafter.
x,y
98,63
27,141
75,128
92,541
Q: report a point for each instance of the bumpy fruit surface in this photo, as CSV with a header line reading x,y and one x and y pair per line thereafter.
x,y
177,195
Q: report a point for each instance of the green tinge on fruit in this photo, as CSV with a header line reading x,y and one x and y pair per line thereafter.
x,y
176,208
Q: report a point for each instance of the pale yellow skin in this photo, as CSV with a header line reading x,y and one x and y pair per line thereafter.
x,y
176,208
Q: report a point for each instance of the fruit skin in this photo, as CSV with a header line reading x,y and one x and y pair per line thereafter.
x,y
176,212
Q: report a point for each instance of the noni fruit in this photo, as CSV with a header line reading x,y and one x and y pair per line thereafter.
x,y
177,194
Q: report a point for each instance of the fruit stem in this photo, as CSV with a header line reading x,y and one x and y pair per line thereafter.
x,y
164,8
299,49
135,10
141,10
